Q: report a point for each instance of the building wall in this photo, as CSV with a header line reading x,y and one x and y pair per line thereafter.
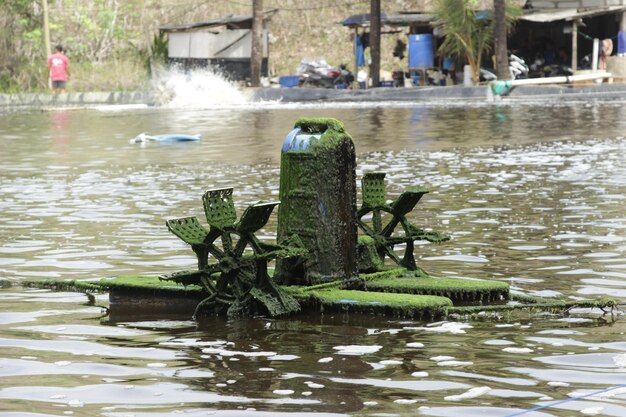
x,y
429,5
202,44
575,4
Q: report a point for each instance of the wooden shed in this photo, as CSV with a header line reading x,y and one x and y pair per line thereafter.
x,y
224,44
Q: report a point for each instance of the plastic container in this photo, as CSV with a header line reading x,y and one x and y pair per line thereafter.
x,y
298,141
289,81
421,53
467,76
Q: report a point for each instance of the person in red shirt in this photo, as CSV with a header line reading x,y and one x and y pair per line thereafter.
x,y
59,66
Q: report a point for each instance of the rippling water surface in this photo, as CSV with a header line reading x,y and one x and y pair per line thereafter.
x,y
531,193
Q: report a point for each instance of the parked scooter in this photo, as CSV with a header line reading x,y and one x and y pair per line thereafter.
x,y
320,74
517,68
539,69
556,70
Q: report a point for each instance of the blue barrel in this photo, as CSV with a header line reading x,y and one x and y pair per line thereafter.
x,y
621,43
421,51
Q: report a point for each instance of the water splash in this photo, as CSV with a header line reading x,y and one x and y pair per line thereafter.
x,y
197,89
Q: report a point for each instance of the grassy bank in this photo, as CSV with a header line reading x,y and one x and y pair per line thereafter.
x,y
109,42
125,74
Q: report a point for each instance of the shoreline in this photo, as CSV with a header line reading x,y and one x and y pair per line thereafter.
x,y
317,95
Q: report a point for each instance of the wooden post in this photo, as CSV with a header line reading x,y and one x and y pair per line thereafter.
x,y
594,56
574,46
356,58
256,58
375,42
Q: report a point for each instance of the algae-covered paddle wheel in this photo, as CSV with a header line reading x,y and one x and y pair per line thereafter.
x,y
386,224
329,267
237,282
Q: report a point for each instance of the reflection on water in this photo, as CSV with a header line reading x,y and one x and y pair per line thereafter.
x,y
531,194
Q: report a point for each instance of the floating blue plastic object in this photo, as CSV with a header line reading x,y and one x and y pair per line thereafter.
x,y
170,137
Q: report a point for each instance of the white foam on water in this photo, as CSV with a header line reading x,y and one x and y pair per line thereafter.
x,y
454,363
357,349
517,350
599,395
157,365
471,393
620,360
283,357
442,358
498,342
591,411
528,247
405,401
198,89
75,403
446,327
390,362
283,391
558,384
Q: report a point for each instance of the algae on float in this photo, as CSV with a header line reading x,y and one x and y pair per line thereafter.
x,y
459,290
391,304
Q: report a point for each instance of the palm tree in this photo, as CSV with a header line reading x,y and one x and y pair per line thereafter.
x,y
468,33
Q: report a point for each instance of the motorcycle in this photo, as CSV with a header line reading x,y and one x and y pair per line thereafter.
x,y
321,74
540,69
556,70
517,68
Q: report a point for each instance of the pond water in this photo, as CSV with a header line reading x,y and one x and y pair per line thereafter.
x,y
532,193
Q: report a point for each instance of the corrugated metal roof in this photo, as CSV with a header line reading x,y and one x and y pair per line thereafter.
x,y
400,19
405,19
231,22
546,16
